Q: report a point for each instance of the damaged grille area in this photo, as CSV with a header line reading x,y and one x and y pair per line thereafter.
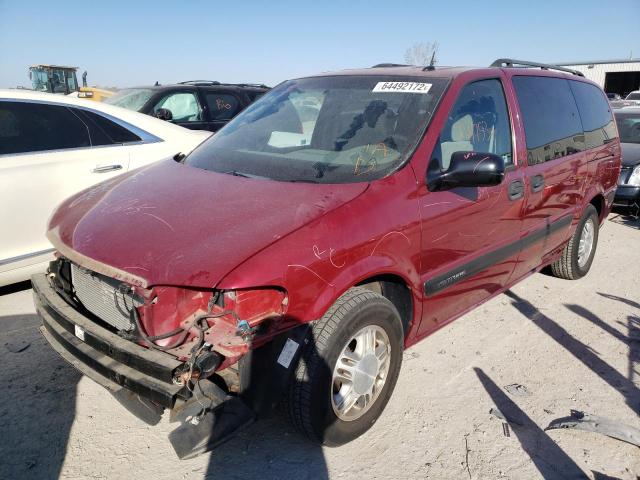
x,y
108,299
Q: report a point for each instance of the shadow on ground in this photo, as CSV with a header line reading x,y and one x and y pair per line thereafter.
x,y
271,448
625,216
268,449
37,401
584,353
14,288
550,460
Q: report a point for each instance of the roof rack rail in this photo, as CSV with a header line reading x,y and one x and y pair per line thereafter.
x,y
215,82
257,85
510,62
389,65
199,82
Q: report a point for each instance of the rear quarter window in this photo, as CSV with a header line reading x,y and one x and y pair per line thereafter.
x,y
222,106
35,127
595,114
550,116
106,132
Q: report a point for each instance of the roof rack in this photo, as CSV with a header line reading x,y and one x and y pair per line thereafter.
x,y
510,63
199,82
390,65
257,85
215,82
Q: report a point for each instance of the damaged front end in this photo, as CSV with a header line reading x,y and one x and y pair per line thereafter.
x,y
170,347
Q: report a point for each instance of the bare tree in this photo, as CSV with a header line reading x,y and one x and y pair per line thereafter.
x,y
421,53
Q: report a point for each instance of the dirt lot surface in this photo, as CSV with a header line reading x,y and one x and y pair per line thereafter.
x,y
571,345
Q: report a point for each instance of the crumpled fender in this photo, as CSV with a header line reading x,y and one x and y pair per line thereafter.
x,y
372,235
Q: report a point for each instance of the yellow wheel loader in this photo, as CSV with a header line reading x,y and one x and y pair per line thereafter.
x,y
61,79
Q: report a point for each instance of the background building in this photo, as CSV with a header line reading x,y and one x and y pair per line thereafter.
x,y
614,76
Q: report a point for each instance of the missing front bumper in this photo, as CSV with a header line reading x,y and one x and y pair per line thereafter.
x,y
141,379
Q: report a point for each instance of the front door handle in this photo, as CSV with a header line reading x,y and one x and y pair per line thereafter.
x,y
537,183
106,168
516,190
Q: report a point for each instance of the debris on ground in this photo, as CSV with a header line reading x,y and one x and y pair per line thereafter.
x,y
17,346
517,390
593,423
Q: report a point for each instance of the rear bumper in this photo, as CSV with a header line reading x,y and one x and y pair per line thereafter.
x,y
103,356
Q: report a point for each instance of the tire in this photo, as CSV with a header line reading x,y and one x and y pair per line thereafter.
x,y
311,396
568,265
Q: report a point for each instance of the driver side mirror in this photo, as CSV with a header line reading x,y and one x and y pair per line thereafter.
x,y
164,114
468,169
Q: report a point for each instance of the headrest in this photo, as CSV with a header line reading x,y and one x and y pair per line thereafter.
x,y
462,129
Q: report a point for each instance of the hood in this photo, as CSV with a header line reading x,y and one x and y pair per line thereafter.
x,y
630,154
172,224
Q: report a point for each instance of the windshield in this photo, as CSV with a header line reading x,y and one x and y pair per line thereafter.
x,y
130,98
628,126
633,96
39,80
341,129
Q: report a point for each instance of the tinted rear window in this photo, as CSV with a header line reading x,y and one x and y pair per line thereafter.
x,y
222,106
550,116
106,132
34,127
595,114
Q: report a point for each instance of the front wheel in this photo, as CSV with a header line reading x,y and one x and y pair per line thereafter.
x,y
348,368
578,254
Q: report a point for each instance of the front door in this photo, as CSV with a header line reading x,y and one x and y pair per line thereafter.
x,y
470,235
185,109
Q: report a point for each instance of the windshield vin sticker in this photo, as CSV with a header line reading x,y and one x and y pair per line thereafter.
x,y
404,87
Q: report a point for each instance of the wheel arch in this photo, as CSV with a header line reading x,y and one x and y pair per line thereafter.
x,y
599,203
395,289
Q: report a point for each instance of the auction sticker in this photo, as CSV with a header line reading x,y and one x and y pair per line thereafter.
x,y
402,87
288,352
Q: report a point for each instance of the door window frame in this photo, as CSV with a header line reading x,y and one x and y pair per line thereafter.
x,y
513,113
205,104
145,137
167,93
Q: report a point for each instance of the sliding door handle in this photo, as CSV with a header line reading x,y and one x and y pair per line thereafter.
x,y
106,168
537,183
516,190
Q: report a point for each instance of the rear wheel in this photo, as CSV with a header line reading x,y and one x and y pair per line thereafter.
x,y
579,252
348,369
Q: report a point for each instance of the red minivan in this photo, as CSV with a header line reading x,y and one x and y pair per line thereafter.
x,y
336,221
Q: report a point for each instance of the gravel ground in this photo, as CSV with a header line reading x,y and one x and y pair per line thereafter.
x,y
572,345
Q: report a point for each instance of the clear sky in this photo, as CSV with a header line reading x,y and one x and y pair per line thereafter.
x,y
138,42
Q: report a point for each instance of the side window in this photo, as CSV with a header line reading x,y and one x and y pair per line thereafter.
x,y
34,127
550,116
478,122
597,120
253,96
222,106
184,106
104,131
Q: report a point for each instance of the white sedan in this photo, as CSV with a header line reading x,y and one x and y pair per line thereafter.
x,y
52,146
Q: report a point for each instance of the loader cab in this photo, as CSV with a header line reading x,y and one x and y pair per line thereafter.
x,y
53,78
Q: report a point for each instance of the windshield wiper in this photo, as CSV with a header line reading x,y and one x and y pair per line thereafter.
x,y
237,173
302,181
